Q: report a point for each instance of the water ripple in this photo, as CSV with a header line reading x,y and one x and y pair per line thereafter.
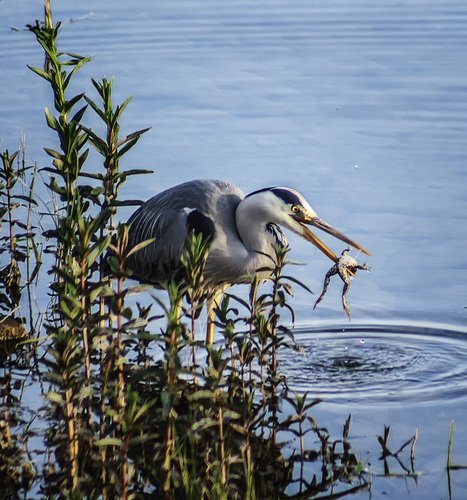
x,y
388,364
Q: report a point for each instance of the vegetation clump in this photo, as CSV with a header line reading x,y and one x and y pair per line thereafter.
x,y
132,408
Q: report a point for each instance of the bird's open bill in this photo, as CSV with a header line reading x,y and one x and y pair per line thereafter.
x,y
324,226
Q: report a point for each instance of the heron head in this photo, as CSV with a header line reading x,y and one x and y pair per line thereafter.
x,y
295,213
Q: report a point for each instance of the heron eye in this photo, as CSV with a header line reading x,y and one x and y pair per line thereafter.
x,y
295,209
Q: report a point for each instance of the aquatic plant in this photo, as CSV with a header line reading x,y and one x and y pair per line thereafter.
x,y
450,466
386,453
121,421
18,243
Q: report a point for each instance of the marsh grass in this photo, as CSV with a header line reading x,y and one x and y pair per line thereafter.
x,y
121,422
408,469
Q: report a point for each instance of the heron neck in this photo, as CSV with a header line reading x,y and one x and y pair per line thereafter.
x,y
251,226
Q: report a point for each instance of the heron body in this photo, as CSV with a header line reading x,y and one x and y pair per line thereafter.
x,y
242,231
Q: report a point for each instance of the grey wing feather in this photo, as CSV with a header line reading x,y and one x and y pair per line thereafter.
x,y
164,217
153,220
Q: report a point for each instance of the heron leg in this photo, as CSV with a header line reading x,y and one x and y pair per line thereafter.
x,y
212,303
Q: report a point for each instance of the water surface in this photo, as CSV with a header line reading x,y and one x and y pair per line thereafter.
x,y
362,106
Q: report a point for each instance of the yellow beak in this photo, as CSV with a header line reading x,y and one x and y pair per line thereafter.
x,y
324,226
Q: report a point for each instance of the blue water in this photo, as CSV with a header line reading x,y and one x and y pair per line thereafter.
x,y
361,106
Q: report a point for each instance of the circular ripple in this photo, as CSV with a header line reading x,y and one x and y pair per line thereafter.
x,y
386,363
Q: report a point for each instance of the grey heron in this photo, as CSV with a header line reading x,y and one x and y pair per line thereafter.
x,y
242,231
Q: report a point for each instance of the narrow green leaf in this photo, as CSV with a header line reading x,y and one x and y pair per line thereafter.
x,y
127,203
100,291
25,198
83,157
203,394
108,442
135,171
91,175
68,105
138,289
55,397
79,114
133,135
299,283
99,144
141,245
135,323
92,255
77,66
40,72
53,153
122,107
51,121
203,424
96,108
124,149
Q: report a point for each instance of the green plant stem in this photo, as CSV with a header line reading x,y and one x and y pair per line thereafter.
x,y
85,334
124,467
30,244
450,444
120,353
220,419
73,447
193,347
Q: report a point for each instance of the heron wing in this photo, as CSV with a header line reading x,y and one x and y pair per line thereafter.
x,y
206,206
